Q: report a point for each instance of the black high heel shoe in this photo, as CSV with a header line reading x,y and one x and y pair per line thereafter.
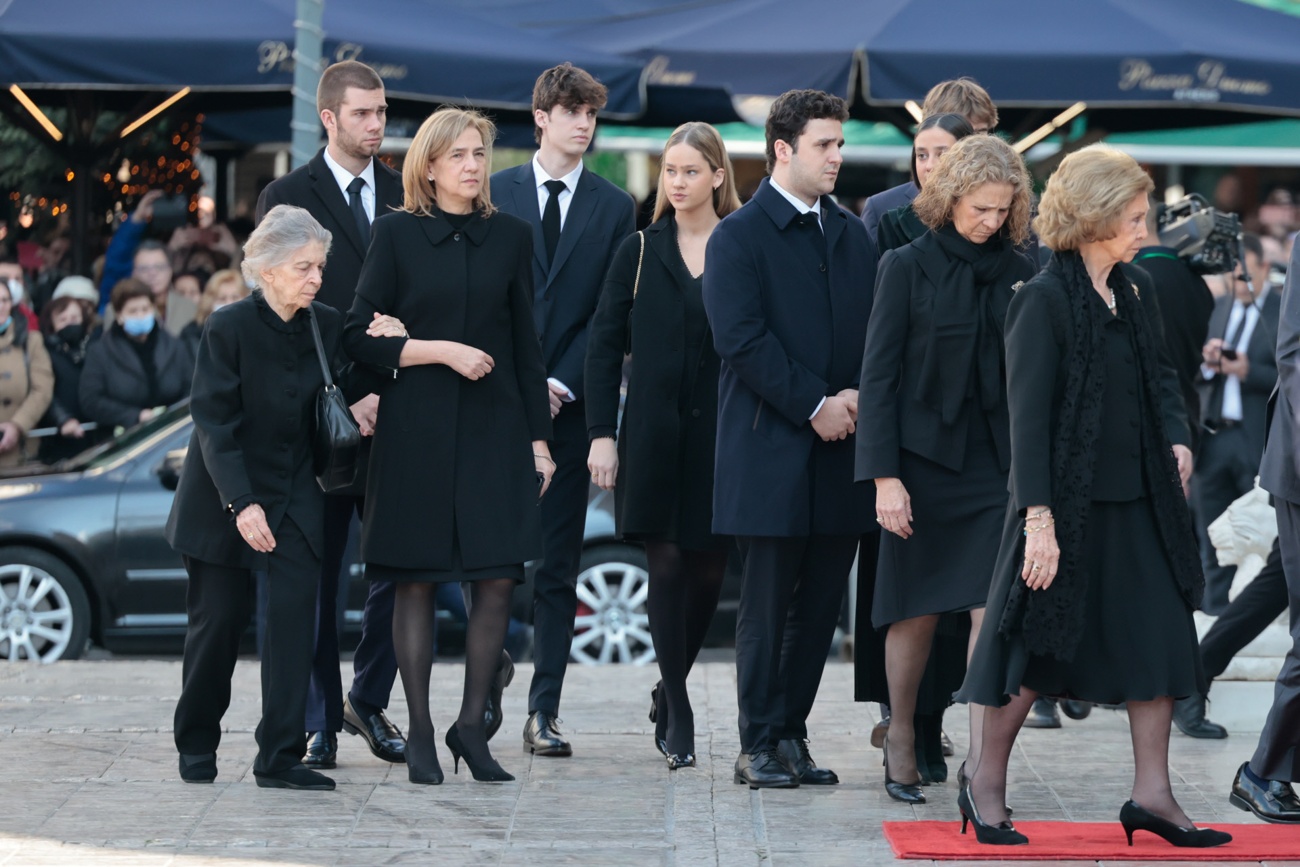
x,y
424,776
485,768
963,781
908,793
1136,818
654,702
1001,834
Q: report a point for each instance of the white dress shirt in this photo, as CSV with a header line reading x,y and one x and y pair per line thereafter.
x,y
544,195
1231,384
344,177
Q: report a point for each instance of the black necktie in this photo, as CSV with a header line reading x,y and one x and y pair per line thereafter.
x,y
358,209
551,219
1241,326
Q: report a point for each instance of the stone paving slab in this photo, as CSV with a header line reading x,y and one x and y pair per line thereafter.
x,y
89,771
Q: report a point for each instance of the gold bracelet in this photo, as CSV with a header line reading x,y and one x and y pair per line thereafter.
x,y
544,457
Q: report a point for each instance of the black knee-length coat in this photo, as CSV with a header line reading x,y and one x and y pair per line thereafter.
x,y
451,454
664,488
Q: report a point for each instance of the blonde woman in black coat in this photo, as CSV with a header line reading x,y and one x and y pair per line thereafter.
x,y
659,462
460,451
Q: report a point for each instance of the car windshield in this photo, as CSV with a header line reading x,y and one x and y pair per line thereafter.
x,y
110,452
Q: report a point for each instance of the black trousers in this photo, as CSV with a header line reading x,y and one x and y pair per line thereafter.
x,y
790,597
1258,605
1225,469
374,665
564,516
1277,757
219,605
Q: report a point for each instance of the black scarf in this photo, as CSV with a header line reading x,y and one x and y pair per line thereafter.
x,y
965,337
1052,619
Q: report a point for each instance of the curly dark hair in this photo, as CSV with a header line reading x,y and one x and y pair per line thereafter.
x,y
790,113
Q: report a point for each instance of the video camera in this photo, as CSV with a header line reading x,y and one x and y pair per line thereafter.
x,y
1208,240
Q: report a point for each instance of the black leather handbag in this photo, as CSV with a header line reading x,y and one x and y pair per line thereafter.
x,y
336,442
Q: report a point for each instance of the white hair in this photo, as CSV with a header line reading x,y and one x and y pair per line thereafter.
x,y
283,230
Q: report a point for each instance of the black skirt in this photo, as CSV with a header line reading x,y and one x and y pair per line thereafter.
x,y
947,564
1138,641
457,572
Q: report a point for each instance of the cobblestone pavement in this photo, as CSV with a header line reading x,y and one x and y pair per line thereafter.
x,y
90,778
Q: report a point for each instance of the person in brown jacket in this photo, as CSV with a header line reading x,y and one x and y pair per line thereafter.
x,y
26,380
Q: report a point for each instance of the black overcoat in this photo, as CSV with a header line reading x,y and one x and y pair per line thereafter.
x,y
670,417
113,384
253,403
890,417
789,321
451,454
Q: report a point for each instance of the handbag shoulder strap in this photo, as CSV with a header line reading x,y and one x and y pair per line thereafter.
x,y
320,348
640,257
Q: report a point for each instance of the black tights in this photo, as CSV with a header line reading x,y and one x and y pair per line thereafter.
x,y
684,588
413,619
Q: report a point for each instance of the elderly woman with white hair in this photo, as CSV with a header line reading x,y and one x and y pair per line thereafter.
x,y
248,502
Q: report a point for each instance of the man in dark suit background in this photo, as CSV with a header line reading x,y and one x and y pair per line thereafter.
x,y
1238,372
578,220
1263,785
959,96
344,187
788,292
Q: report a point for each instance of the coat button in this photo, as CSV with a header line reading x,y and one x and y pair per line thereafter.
x,y
456,237
822,267
695,413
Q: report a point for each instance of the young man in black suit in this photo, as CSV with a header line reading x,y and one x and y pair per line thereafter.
x,y
788,290
345,188
578,220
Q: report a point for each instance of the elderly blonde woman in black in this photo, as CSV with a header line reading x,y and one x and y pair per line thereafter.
x,y
248,500
1098,573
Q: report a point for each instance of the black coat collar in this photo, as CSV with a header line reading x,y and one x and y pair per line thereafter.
x,y
438,229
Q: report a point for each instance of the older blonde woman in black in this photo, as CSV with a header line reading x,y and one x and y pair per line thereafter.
x,y
1098,573
932,416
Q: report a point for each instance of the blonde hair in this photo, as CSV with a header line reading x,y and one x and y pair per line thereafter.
x,y
1086,195
435,137
965,167
215,283
708,141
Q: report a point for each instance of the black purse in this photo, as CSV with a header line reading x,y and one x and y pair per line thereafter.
x,y
336,442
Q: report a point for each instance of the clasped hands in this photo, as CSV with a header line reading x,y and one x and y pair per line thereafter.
x,y
838,416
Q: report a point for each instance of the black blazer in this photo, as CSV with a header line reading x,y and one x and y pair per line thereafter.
x,y
114,387
1038,347
452,455
313,187
1279,474
1261,374
670,416
883,202
253,405
890,417
565,292
789,323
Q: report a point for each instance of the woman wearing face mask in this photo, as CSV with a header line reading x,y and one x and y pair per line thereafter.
x,y
26,380
68,324
224,287
136,366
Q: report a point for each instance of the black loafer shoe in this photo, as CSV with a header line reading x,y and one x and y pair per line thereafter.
x,y
542,736
1076,709
297,777
764,769
493,715
1189,716
795,753
1274,802
322,750
384,739
1043,715
198,768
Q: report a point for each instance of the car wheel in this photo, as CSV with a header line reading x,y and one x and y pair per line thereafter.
x,y
612,624
44,611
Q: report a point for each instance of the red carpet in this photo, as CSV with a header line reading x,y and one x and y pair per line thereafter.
x,y
1087,841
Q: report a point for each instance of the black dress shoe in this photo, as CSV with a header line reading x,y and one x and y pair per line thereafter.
x,y
764,769
1076,709
297,777
1189,716
322,751
1043,715
384,739
1134,817
908,793
1274,801
493,714
795,753
200,768
543,738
